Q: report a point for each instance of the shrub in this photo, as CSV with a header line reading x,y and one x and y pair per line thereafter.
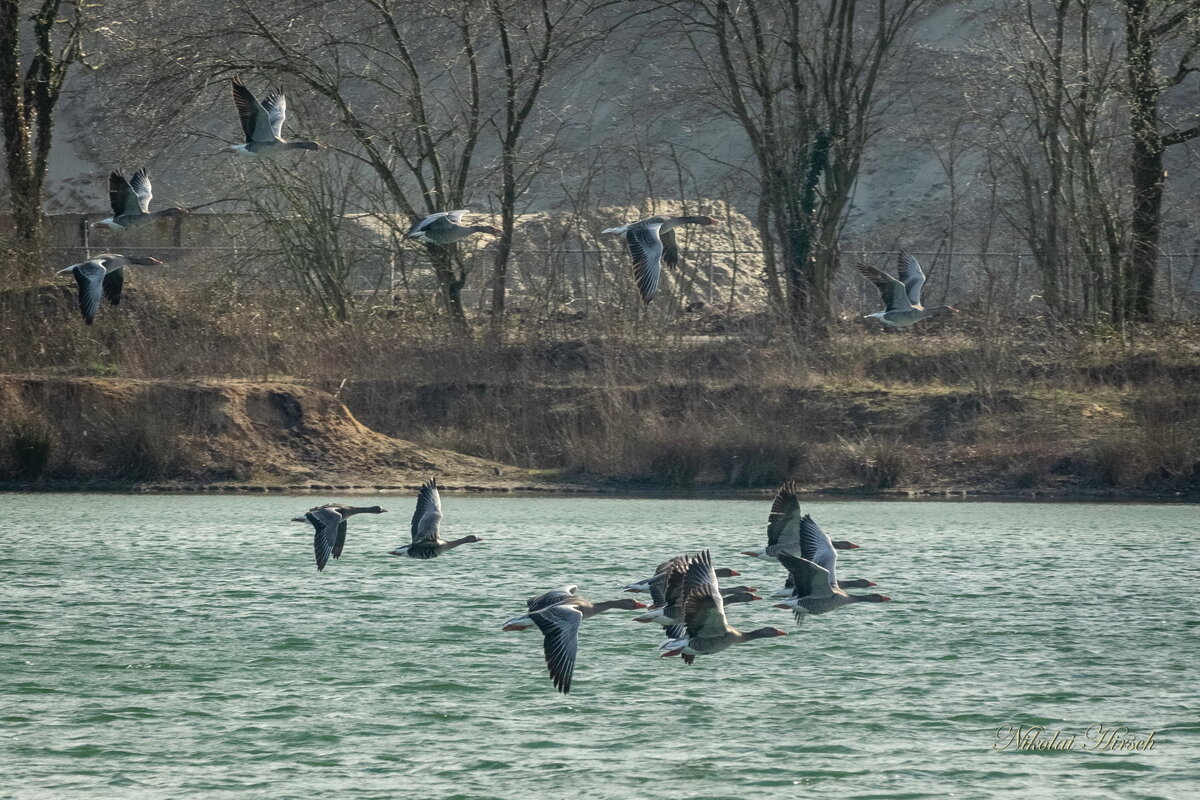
x,y
30,444
879,462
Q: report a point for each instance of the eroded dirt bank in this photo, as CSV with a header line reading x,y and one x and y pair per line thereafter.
x,y
60,431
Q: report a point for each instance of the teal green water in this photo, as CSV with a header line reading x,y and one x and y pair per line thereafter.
x,y
185,646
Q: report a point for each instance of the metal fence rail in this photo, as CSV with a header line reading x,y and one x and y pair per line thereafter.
x,y
589,277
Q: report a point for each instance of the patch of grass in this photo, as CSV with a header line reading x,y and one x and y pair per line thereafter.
x,y
147,449
879,462
1118,462
30,444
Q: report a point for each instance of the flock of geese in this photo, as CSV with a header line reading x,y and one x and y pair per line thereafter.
x,y
651,241
686,599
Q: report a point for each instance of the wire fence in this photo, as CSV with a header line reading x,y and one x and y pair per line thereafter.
x,y
593,278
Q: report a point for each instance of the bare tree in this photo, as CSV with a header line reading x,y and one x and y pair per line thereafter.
x,y
800,78
28,100
1053,145
402,80
1151,28
533,39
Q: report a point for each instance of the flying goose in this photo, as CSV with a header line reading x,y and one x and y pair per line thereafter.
x,y
815,590
560,643
706,631
558,614
853,583
329,525
652,244
130,200
783,526
102,274
446,228
901,298
667,590
565,595
262,122
427,519
645,584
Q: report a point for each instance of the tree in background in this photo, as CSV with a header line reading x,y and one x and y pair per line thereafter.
x,y
800,78
533,39
1162,51
27,103
1052,138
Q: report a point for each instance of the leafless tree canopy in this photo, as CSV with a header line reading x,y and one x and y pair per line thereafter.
x,y
1060,129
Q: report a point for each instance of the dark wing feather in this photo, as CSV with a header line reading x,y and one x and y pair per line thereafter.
x,y
341,539
808,578
90,276
670,248
325,526
646,249
546,600
783,523
256,124
703,606
423,550
114,281
668,580
560,629
891,291
121,195
658,589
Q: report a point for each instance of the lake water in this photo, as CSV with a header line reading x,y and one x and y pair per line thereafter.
x,y
186,646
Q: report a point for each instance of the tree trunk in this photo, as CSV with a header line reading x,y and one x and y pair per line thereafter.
x,y
24,185
508,203
1146,164
451,282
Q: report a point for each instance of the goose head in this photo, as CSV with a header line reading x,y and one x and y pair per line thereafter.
x,y
628,604
766,633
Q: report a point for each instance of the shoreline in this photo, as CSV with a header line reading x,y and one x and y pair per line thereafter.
x,y
914,494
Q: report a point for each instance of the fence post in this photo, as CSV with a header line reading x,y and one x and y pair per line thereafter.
x,y
1171,285
84,233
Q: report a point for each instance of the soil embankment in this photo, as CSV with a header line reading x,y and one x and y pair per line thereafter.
x,y
97,432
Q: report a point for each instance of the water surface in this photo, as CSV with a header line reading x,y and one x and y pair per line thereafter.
x,y
185,646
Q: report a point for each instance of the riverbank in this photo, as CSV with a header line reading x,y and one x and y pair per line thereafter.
x,y
130,435
706,404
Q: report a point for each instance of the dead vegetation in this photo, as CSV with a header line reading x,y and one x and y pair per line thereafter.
x,y
636,399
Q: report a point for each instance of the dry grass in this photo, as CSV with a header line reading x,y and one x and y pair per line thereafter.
x,y
660,398
29,444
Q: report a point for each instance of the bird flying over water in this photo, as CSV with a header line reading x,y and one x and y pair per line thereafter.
x,y
783,526
105,275
426,525
558,613
652,244
706,631
329,525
